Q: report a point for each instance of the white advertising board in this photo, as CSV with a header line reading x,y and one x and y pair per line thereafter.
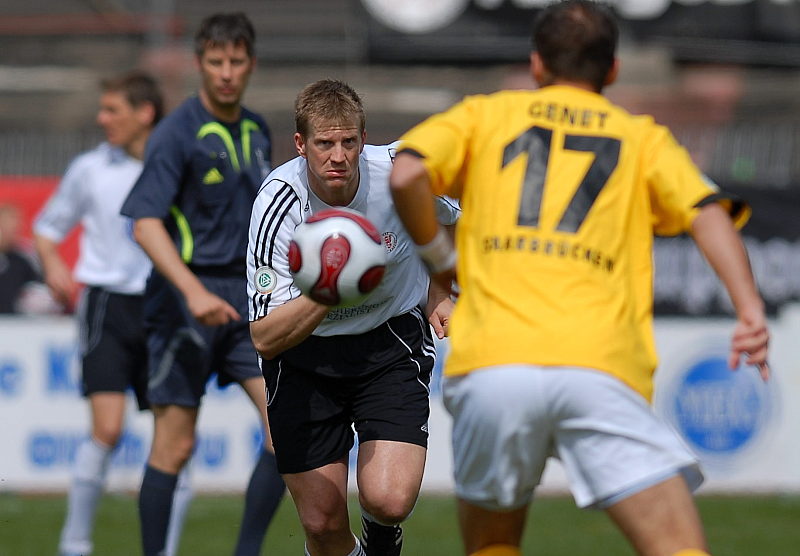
x,y
744,431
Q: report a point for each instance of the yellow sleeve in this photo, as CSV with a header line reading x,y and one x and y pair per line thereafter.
x,y
679,190
442,142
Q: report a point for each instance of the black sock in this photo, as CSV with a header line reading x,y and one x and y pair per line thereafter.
x,y
155,505
264,493
381,540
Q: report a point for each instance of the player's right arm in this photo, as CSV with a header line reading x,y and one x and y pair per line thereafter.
x,y
150,202
286,326
59,216
57,275
428,162
280,317
208,308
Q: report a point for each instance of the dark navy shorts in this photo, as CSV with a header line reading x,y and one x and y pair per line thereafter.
x,y
112,342
377,382
183,353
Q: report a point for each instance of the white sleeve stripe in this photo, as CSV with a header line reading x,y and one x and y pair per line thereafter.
x,y
277,211
273,217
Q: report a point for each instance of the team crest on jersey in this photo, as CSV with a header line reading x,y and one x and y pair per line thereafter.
x,y
265,280
389,241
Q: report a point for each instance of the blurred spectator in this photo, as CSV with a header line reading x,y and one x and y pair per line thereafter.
x,y
21,287
114,270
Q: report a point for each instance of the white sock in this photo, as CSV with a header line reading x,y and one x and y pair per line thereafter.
x,y
180,505
357,551
88,479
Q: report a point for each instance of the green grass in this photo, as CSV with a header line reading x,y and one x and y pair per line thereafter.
x,y
736,526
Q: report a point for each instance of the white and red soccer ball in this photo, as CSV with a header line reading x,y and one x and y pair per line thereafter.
x,y
337,257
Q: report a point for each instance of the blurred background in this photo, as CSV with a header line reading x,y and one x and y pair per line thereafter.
x,y
724,75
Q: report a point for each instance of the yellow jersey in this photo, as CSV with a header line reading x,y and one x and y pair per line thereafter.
x,y
561,192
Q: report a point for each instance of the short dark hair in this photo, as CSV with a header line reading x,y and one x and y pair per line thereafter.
x,y
577,40
223,28
139,88
327,100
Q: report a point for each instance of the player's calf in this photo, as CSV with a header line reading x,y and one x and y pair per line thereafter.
x,y
498,550
380,540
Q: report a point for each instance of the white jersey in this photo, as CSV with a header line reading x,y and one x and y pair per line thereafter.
x,y
285,201
91,193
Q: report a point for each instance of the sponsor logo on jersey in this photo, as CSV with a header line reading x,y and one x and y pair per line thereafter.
x,y
212,177
389,241
265,280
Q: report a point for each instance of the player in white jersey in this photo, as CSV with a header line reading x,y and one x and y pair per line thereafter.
x,y
114,270
367,366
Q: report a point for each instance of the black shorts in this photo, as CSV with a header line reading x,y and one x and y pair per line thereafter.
x,y
377,381
184,353
112,343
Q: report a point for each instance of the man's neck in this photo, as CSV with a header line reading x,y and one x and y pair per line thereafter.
x,y
135,148
224,113
586,86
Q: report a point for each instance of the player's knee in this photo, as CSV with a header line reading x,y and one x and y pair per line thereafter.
x,y
388,508
498,550
182,450
321,526
691,552
173,455
107,435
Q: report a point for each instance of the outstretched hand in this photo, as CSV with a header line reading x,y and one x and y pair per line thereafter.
x,y
751,341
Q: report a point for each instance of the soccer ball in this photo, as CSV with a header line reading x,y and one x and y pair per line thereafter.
x,y
337,257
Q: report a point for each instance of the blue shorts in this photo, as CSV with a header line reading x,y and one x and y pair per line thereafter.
x,y
183,353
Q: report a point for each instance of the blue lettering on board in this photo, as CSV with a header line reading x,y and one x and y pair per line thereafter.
x,y
10,377
211,450
59,359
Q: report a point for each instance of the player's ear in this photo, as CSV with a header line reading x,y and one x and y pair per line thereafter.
x,y
146,113
538,69
612,74
363,140
300,144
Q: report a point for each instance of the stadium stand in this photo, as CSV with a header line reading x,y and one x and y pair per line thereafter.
x,y
741,122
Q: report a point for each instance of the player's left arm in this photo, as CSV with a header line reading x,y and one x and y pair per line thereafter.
x,y
717,238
